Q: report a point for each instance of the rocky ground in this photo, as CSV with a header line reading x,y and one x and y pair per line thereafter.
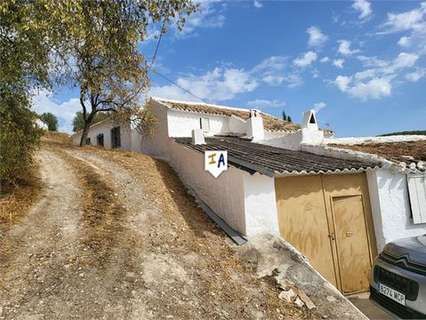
x,y
114,235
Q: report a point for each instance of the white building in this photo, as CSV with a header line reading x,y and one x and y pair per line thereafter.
x,y
329,202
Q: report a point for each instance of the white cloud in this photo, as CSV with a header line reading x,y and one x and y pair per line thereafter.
x,y
416,75
375,88
325,59
224,83
345,48
306,59
409,20
404,60
64,111
319,106
265,103
316,37
219,84
363,7
375,82
404,41
342,82
208,15
272,71
338,63
413,22
258,4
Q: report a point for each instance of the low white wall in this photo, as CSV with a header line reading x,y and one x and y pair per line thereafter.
x,y
224,195
246,202
360,140
390,207
260,205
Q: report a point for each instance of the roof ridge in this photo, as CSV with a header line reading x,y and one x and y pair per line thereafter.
x,y
159,99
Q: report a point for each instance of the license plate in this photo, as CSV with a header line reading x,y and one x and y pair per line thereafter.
x,y
391,293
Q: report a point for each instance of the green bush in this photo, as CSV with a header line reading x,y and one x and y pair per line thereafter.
x,y
19,136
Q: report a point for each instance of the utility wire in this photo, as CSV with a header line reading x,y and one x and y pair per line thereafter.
x,y
163,76
158,43
178,86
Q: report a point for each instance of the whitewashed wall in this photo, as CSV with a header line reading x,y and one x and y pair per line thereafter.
x,y
105,128
224,195
157,144
260,205
391,207
181,124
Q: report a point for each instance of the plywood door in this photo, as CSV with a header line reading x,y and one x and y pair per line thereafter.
x,y
303,220
352,243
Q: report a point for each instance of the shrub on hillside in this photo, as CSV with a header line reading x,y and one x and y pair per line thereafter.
x,y
19,137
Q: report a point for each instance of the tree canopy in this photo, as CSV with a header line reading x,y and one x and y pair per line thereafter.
x,y
50,120
91,44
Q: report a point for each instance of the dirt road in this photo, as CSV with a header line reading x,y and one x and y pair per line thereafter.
x,y
114,236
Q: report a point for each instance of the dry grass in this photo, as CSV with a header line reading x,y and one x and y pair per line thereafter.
x,y
396,151
58,138
15,201
196,233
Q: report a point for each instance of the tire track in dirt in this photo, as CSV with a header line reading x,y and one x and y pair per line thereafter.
x,y
35,252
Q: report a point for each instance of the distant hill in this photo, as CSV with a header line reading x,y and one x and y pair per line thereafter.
x,y
405,133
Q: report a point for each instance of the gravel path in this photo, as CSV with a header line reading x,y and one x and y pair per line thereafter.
x,y
99,245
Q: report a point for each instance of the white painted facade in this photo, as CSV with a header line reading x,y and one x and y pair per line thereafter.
x,y
129,138
247,202
390,203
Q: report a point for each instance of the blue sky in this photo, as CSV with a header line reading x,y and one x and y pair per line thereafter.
x,y
361,64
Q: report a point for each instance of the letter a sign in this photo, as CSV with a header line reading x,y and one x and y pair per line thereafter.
x,y
216,162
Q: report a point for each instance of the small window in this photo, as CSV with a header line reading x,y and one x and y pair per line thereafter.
x,y
205,124
100,139
88,141
312,120
115,137
417,194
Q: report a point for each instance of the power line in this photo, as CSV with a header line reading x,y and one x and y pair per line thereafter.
x,y
178,86
158,43
163,76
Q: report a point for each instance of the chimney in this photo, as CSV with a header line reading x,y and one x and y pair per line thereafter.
x,y
310,120
311,134
198,136
255,125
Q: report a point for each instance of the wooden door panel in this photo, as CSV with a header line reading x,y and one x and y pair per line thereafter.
x,y
352,243
303,221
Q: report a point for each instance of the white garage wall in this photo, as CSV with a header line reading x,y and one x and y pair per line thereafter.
x,y
391,207
260,205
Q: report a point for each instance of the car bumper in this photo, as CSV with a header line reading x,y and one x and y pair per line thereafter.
x,y
415,309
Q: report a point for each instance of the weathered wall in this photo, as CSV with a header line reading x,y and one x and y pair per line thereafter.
x,y
391,207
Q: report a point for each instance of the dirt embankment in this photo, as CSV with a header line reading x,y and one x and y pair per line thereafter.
x,y
114,235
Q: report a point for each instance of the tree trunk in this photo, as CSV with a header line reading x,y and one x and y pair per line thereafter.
x,y
87,124
84,134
